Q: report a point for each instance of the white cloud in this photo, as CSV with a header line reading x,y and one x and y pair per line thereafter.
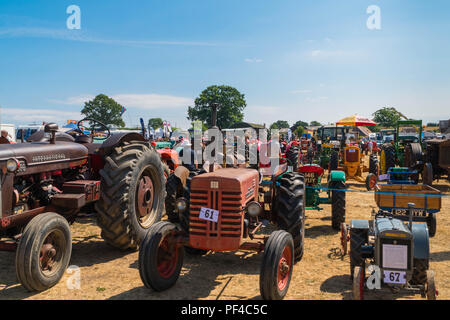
x,y
143,101
22,115
301,91
81,36
152,101
317,99
253,60
331,53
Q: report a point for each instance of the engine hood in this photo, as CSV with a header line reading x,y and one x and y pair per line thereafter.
x,y
56,156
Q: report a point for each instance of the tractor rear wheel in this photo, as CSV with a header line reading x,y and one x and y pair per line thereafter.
x,y
357,240
132,194
419,276
276,268
374,165
289,209
427,174
358,282
334,160
430,287
432,224
337,203
292,155
387,158
160,257
44,251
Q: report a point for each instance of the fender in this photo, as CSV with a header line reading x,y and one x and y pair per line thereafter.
x,y
421,241
337,176
182,173
119,138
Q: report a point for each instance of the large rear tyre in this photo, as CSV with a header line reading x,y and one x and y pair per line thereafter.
x,y
337,203
292,155
132,194
289,209
334,161
427,174
44,251
419,276
432,224
277,265
357,240
430,286
387,158
374,167
358,283
160,257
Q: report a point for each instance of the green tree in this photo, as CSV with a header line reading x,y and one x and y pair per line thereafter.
x,y
299,124
231,106
315,123
155,123
387,117
104,109
280,124
299,131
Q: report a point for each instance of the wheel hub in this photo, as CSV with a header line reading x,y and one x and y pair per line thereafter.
x,y
145,196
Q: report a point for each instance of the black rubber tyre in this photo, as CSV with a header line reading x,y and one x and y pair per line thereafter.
x,y
337,204
413,155
47,229
357,240
334,160
432,224
389,158
174,190
289,209
373,164
293,157
430,287
419,276
358,282
160,260
427,174
278,256
129,168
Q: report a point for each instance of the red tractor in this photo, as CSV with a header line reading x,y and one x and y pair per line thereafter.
x,y
226,210
47,182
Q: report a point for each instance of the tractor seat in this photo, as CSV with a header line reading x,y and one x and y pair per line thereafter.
x,y
84,139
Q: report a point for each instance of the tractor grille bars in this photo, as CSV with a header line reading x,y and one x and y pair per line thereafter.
x,y
227,232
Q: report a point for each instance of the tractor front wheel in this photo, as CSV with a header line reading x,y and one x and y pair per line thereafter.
x,y
432,224
371,181
337,203
430,287
160,257
44,251
277,265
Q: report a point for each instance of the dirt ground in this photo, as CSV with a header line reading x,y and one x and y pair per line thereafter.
x,y
322,273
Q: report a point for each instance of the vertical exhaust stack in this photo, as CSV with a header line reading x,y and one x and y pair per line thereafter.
x,y
214,107
52,128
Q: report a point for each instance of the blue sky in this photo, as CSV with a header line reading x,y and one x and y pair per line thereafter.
x,y
293,60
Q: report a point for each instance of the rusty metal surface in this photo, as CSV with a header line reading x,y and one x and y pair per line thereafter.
x,y
22,218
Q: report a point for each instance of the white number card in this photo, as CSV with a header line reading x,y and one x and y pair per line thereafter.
x,y
209,214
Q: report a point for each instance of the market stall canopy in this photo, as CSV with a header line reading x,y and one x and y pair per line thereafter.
x,y
356,121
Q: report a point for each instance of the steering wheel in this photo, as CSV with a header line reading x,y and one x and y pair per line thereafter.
x,y
94,126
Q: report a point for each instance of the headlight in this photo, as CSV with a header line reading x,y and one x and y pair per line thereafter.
x,y
12,165
254,209
181,204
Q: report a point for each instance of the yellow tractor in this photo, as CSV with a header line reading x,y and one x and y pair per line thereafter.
x,y
351,161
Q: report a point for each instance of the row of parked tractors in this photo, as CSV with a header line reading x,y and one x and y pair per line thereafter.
x,y
131,183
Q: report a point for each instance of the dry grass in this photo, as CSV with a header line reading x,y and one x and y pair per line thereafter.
x,y
322,273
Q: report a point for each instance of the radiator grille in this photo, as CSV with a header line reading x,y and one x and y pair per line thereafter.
x,y
211,235
396,242
352,155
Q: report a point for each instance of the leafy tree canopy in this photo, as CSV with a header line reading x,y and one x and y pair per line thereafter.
x,y
155,123
230,101
315,123
387,117
104,109
280,124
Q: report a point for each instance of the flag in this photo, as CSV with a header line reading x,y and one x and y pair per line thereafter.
x,y
123,110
